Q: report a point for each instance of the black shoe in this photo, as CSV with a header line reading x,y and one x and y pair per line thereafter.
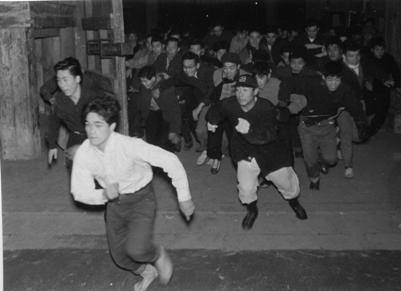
x,y
314,185
188,145
324,169
251,216
298,209
215,167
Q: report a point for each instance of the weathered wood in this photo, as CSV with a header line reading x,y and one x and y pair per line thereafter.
x,y
120,86
80,35
14,14
67,43
96,23
19,109
46,32
52,14
392,19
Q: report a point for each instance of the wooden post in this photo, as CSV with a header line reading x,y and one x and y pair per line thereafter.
x,y
120,86
19,101
392,29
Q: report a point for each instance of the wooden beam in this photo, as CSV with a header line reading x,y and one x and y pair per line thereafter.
x,y
46,32
14,14
96,23
52,14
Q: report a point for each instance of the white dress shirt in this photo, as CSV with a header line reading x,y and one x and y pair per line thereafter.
x,y
126,161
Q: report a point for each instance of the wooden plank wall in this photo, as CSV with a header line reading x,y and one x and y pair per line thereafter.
x,y
19,120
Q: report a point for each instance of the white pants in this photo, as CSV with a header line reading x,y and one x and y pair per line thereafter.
x,y
285,179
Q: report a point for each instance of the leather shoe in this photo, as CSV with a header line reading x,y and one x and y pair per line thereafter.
x,y
298,209
250,217
215,167
314,185
324,169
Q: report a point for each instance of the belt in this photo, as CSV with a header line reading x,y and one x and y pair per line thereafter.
x,y
316,122
125,196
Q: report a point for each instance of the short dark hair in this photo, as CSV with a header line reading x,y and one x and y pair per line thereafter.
x,y
311,22
196,41
298,53
157,38
333,68
147,72
377,41
106,106
261,68
334,41
351,46
190,56
170,39
221,44
71,64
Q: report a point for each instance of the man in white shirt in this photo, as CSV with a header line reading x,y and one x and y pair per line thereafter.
x,y
122,166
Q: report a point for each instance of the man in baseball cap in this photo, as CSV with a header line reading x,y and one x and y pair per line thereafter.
x,y
255,147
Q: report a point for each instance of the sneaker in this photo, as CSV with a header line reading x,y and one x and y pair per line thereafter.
x,y
202,158
215,167
314,185
164,267
149,274
349,173
188,145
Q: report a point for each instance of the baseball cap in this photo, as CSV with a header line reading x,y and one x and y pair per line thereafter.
x,y
231,58
247,81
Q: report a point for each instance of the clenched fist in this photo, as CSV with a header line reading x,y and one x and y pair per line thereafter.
x,y
242,126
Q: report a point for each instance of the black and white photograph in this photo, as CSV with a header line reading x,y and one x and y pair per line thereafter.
x,y
200,145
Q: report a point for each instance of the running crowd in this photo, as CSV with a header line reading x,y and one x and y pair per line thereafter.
x,y
259,97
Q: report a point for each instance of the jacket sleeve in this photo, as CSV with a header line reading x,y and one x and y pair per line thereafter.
x,y
48,89
54,124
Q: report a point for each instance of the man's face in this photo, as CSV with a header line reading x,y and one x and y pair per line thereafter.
x,y
157,47
217,30
352,58
246,97
334,52
254,38
98,130
196,49
172,48
378,51
262,80
332,82
297,64
312,31
220,53
190,67
230,70
68,83
148,83
271,38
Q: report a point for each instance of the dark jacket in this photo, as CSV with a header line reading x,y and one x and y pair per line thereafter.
x,y
70,115
261,142
167,102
